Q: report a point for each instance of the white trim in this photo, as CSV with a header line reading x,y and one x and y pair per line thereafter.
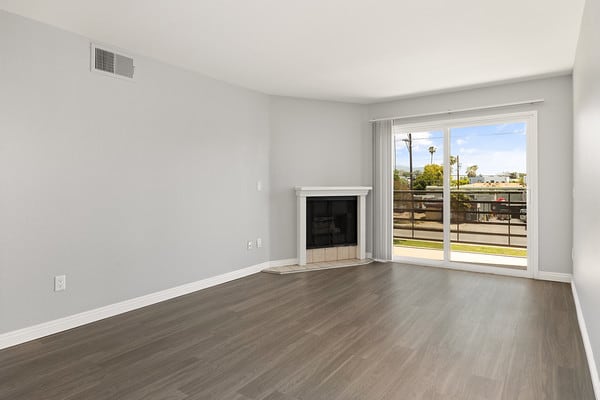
x,y
310,191
23,335
518,116
554,276
27,334
586,343
302,192
530,117
486,269
446,201
72,321
362,227
301,227
460,110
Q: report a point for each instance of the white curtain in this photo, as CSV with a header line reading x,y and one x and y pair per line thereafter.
x,y
382,190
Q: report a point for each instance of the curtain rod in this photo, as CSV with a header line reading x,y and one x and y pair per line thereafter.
x,y
459,110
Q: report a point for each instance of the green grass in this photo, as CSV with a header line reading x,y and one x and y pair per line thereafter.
x,y
470,248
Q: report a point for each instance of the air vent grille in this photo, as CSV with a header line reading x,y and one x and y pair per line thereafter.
x,y
105,61
124,66
111,63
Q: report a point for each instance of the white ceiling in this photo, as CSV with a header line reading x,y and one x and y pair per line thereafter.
x,y
350,50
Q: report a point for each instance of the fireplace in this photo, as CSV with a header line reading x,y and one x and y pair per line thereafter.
x,y
330,222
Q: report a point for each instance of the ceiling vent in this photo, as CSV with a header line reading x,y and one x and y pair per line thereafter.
x,y
109,62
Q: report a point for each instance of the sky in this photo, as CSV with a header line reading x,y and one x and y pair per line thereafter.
x,y
493,148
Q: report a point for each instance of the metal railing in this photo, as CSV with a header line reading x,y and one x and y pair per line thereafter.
x,y
480,217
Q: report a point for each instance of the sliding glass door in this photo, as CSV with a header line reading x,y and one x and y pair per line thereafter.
x,y
419,194
488,192
461,192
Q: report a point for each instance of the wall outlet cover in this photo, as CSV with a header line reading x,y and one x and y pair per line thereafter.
x,y
60,283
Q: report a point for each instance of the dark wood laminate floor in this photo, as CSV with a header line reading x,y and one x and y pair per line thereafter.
x,y
381,331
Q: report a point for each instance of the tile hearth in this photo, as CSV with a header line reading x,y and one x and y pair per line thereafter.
x,y
316,266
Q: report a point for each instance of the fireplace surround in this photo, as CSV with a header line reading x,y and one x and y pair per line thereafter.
x,y
338,218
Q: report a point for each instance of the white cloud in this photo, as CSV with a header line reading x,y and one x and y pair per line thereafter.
x,y
461,141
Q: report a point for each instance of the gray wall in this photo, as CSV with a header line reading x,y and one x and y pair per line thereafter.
x,y
126,187
314,143
133,187
555,160
586,174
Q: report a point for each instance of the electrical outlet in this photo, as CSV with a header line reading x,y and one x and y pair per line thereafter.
x,y
258,243
249,245
60,283
259,186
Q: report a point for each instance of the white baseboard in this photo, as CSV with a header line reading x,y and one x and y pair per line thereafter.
x,y
23,335
554,276
488,269
72,321
586,343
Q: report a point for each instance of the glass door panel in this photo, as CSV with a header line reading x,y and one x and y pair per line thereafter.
x,y
418,194
488,195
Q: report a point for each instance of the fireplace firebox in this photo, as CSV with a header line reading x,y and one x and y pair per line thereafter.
x,y
331,221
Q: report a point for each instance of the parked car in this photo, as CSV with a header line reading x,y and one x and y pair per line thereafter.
x,y
502,212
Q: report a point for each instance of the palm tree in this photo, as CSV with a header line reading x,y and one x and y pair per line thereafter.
x,y
472,171
432,150
452,162
455,160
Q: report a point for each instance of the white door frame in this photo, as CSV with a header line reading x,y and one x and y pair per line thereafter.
x,y
530,118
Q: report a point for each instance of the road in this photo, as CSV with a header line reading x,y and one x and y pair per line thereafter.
x,y
500,232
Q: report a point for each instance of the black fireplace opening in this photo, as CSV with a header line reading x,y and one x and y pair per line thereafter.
x,y
331,221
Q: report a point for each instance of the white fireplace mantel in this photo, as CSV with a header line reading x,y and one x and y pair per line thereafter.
x,y
302,192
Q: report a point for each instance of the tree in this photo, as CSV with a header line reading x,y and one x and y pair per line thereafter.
x,y
433,174
460,204
401,173
461,182
432,149
400,182
402,194
472,171
452,162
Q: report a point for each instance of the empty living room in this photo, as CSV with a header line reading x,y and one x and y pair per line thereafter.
x,y
299,200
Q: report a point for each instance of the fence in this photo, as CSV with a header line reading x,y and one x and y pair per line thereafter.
x,y
481,217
